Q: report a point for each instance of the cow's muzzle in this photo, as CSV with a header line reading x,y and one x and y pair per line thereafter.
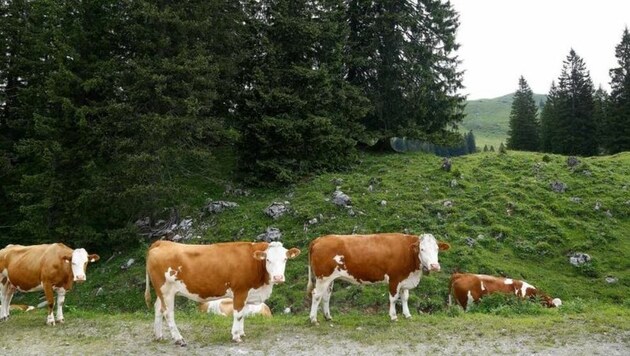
x,y
278,279
435,267
79,279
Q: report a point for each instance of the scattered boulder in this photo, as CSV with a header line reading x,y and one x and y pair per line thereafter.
x,y
448,203
558,186
579,258
277,209
470,241
270,235
337,181
383,203
611,279
572,161
216,207
127,264
598,205
340,198
229,190
313,221
576,199
608,213
446,164
453,183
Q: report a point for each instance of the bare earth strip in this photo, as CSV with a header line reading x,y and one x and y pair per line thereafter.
x,y
132,335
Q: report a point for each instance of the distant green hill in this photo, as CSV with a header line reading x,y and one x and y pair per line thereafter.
x,y
489,118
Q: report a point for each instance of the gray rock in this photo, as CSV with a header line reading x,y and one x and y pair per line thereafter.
x,y
383,203
576,199
453,183
470,241
448,203
277,209
128,264
558,186
608,213
216,207
272,234
446,164
579,258
611,279
598,205
572,161
313,221
340,198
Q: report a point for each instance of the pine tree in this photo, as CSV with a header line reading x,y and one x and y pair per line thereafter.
x,y
617,132
401,54
471,145
298,114
524,127
600,116
568,124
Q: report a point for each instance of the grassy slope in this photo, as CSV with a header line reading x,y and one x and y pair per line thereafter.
x,y
489,118
532,243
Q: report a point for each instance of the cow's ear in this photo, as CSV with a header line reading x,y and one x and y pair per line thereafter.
x,y
293,253
443,246
260,255
93,258
67,258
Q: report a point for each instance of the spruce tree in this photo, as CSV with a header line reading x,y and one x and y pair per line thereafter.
x,y
569,127
617,131
524,127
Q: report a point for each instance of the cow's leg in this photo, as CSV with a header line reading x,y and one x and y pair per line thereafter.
x,y
169,314
404,296
320,290
61,297
157,323
238,324
326,301
50,299
394,294
6,294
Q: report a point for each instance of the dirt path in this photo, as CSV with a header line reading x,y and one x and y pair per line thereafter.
x,y
129,336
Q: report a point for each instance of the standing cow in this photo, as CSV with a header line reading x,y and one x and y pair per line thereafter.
x,y
469,288
396,259
51,268
243,271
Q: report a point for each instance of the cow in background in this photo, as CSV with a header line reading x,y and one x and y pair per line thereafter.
x,y
468,288
50,267
396,259
243,271
225,307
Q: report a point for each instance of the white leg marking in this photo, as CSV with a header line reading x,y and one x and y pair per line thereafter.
x,y
326,303
61,297
50,320
238,325
320,290
470,300
482,286
392,304
157,323
405,304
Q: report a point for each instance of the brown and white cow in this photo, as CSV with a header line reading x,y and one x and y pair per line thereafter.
x,y
51,268
243,271
225,307
468,288
396,259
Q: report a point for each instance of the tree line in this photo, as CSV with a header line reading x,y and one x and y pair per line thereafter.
x,y
576,119
105,104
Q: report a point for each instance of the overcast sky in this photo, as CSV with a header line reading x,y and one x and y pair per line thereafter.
x,y
504,39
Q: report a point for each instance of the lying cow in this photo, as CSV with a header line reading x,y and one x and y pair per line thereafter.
x,y
243,271
225,307
396,259
468,288
51,268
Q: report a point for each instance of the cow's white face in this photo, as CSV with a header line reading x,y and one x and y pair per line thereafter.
x,y
429,248
275,258
79,261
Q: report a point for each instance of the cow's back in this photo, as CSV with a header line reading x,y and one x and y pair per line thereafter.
x,y
28,266
365,257
207,270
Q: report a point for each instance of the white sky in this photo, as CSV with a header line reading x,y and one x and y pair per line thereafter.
x,y
504,39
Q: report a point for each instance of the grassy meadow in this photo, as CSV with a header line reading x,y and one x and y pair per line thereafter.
x,y
501,204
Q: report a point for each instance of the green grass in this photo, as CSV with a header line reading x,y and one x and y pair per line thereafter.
x,y
532,243
489,119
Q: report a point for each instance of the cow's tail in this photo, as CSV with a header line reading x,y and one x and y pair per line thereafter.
x,y
450,291
147,291
310,285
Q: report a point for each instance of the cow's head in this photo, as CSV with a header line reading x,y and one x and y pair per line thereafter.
x,y
428,248
275,258
551,303
79,260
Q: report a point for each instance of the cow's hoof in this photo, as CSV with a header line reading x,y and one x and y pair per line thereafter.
x,y
408,316
328,318
237,340
4,318
60,321
158,338
180,342
314,322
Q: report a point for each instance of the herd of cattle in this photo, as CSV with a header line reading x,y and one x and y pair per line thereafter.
x,y
236,278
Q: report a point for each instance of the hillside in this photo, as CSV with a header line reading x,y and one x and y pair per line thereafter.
x,y
466,207
489,118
